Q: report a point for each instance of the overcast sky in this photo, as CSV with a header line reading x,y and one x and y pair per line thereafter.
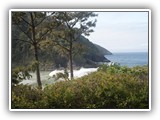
x,y
121,31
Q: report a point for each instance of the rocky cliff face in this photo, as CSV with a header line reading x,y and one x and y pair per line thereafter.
x,y
92,54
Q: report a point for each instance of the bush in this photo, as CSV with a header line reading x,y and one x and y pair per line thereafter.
x,y
26,97
122,89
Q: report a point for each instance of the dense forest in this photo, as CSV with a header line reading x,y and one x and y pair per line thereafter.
x,y
43,41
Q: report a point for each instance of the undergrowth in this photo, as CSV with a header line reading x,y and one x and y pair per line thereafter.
x,y
111,87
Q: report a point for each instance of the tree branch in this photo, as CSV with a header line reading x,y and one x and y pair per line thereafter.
x,y
61,46
24,33
75,22
41,37
43,19
24,41
25,21
68,25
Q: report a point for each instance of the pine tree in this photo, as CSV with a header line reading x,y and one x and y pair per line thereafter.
x,y
73,25
34,26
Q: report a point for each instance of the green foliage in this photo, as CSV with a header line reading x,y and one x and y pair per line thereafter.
x,y
111,87
62,75
21,72
26,97
113,68
125,88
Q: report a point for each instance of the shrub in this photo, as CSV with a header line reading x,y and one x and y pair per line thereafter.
x,y
22,72
25,97
122,89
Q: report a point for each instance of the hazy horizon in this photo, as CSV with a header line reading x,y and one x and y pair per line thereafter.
x,y
130,52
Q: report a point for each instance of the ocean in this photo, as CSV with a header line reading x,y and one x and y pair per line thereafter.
x,y
129,59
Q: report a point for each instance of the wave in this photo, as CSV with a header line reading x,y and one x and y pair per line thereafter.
x,y
47,77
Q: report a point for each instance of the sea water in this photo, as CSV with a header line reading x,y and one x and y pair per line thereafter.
x,y
129,59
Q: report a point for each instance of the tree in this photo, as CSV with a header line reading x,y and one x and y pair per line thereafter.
x,y
35,27
73,25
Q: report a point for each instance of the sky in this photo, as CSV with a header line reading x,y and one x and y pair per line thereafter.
x,y
121,31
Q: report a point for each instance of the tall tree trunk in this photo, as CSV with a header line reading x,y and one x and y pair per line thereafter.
x,y
71,61
35,51
37,67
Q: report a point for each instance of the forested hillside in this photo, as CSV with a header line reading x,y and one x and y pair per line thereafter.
x,y
85,55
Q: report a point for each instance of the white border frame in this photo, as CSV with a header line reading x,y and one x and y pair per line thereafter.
x,y
94,10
